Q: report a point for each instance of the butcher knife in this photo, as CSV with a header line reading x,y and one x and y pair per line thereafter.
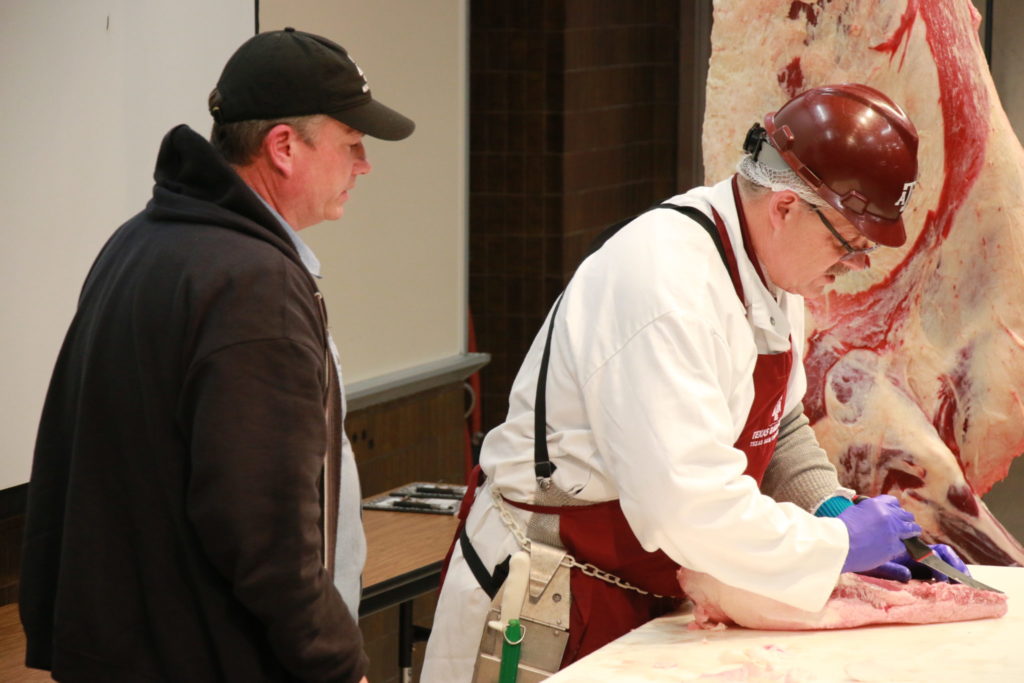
x,y
922,552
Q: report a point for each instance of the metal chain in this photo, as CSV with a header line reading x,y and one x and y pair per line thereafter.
x,y
509,520
568,561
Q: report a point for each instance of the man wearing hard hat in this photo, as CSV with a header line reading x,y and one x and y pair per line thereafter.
x,y
657,419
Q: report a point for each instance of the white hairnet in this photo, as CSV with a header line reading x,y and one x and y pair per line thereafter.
x,y
770,175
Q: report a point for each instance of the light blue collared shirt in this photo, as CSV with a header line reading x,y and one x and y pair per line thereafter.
x,y
309,259
350,549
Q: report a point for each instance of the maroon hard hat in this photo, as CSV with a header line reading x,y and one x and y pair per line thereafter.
x,y
857,149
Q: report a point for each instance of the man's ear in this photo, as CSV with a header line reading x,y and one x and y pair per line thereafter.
x,y
279,146
783,208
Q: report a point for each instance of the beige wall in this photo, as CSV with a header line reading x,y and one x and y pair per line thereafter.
x,y
395,265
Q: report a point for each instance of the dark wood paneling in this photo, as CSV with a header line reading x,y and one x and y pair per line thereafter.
x,y
419,438
12,508
576,102
694,53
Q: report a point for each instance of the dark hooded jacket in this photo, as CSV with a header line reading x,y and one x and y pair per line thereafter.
x,y
175,519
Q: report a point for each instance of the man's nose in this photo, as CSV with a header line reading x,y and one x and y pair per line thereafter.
x,y
362,165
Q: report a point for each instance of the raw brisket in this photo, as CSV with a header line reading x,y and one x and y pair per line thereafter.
x,y
856,601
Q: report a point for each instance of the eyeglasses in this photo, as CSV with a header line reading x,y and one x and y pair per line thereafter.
x,y
851,250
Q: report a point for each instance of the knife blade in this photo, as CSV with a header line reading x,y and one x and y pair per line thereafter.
x,y
922,552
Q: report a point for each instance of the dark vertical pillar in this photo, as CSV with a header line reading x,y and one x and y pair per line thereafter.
x,y
573,119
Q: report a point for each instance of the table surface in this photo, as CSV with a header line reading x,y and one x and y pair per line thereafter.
x,y
12,650
398,543
968,651
405,551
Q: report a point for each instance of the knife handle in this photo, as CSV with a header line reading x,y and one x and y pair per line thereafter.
x,y
917,548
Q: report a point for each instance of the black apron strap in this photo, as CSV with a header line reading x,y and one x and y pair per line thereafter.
x,y
542,466
489,582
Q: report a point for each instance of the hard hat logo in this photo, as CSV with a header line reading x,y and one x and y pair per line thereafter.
x,y
904,199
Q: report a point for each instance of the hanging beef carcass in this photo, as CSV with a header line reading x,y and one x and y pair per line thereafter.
x,y
916,366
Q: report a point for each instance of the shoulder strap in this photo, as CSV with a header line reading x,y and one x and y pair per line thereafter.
x,y
705,222
542,466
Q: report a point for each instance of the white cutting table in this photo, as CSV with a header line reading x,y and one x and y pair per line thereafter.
x,y
965,652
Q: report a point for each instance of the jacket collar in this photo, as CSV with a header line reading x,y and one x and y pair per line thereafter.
x,y
194,184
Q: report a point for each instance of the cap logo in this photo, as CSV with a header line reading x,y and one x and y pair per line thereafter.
x,y
904,199
366,86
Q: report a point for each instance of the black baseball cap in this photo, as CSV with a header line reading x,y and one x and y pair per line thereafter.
x,y
286,73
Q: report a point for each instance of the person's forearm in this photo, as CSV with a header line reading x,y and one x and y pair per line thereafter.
x,y
800,471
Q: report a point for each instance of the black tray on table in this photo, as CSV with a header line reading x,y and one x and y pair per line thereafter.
x,y
421,496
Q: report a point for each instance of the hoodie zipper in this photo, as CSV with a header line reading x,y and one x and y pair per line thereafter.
x,y
322,305
328,503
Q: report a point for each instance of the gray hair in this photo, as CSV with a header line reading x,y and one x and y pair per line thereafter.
x,y
239,142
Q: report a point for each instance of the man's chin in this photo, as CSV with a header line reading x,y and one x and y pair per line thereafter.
x,y
812,290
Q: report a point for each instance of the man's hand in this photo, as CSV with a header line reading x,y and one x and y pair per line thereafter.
x,y
903,567
877,527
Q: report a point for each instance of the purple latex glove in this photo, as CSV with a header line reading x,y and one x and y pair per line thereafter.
x,y
877,527
903,567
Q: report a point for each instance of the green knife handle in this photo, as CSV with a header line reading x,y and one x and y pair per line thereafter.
x,y
509,669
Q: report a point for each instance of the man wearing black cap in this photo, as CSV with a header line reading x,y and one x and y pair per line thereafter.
x,y
183,507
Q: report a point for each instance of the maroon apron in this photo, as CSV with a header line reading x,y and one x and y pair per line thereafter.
x,y
599,534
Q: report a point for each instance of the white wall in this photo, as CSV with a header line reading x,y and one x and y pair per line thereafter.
x,y
87,90
89,87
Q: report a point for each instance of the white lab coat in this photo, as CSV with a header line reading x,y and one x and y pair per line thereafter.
x,y
649,385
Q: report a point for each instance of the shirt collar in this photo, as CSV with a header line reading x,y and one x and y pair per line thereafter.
x,y
766,303
309,259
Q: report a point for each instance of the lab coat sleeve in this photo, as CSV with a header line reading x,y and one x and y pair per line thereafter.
x,y
662,413
800,471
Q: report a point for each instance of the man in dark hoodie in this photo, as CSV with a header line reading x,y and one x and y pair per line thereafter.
x,y
182,509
